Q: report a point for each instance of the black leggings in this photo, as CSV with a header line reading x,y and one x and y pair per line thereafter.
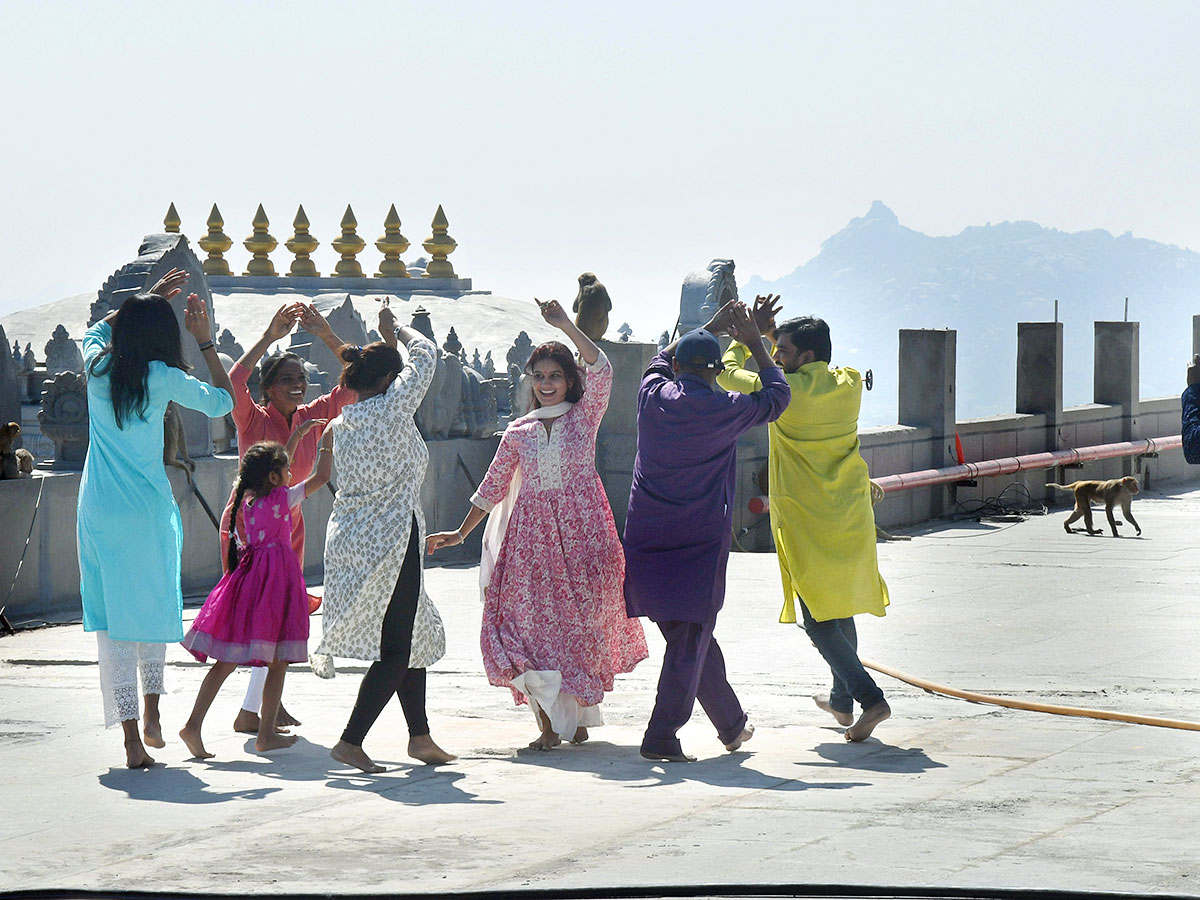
x,y
391,674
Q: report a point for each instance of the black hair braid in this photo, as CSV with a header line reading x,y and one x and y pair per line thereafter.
x,y
259,462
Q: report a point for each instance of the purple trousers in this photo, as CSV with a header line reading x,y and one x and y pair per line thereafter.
x,y
693,669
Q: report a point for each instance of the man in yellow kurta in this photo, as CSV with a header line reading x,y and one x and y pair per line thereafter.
x,y
820,506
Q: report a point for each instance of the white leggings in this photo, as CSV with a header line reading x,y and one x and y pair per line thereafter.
x,y
253,699
120,663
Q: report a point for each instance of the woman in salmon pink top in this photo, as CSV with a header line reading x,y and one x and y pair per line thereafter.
x,y
282,385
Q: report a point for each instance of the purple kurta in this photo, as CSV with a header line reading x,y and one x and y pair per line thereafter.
x,y
680,518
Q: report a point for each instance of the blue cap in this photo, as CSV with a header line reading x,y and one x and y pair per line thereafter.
x,y
699,349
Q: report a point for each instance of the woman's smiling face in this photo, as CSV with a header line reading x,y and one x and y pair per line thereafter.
x,y
549,382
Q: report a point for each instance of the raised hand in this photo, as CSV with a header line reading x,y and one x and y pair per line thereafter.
x,y
553,313
170,284
282,321
743,327
764,312
719,323
195,318
387,318
305,427
438,540
313,322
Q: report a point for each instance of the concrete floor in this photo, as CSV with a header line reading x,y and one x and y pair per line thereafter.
x,y
947,793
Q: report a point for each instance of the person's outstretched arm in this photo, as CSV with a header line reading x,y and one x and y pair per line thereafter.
x,y
277,329
555,315
316,325
195,320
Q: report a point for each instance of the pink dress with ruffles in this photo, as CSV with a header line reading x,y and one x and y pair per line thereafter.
x,y
258,613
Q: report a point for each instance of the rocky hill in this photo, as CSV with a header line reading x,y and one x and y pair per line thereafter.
x,y
876,276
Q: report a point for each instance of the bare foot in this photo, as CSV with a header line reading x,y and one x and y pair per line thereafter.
x,y
349,755
152,732
581,735
247,723
842,718
136,756
680,757
736,743
191,739
871,716
545,741
285,719
424,749
274,742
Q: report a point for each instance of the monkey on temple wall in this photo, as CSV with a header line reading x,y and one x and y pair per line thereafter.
x,y
591,307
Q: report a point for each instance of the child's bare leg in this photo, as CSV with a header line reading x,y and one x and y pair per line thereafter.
x,y
268,737
136,756
190,732
151,725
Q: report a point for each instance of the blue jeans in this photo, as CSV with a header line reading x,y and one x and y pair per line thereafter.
x,y
837,642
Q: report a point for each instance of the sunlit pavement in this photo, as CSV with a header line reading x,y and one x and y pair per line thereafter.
x,y
946,793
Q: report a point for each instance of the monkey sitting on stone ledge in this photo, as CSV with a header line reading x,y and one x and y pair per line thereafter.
x,y
1110,493
175,442
13,463
591,307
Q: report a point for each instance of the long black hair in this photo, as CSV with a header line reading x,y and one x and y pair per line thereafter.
x,y
366,366
145,329
254,476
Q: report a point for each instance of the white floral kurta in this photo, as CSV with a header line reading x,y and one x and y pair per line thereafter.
x,y
554,603
381,462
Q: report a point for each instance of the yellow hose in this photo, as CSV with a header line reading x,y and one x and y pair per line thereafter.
x,y
933,688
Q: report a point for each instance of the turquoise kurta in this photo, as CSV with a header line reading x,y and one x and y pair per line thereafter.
x,y
129,530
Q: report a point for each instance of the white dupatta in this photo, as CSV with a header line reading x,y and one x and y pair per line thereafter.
x,y
497,522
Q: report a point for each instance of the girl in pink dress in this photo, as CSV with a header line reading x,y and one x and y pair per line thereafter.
x,y
554,624
258,613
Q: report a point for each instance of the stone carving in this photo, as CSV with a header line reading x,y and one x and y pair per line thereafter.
x,y
63,418
29,363
476,362
705,292
518,354
624,331
591,306
228,345
157,255
453,345
663,340
489,366
10,388
62,353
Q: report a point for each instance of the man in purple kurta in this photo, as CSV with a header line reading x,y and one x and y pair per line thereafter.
x,y
680,520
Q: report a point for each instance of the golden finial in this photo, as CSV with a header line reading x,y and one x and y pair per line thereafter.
x,y
439,245
302,244
260,243
391,245
216,242
171,221
349,244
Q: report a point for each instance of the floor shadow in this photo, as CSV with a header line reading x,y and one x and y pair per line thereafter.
x,y
611,762
412,785
166,784
873,756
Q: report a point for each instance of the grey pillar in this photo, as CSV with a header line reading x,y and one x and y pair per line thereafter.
x,y
1116,370
1195,335
926,381
1040,374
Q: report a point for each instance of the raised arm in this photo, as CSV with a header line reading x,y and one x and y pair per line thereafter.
x,y
280,326
316,325
301,430
555,315
195,320
324,470
736,377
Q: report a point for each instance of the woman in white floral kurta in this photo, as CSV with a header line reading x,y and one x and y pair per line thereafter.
x,y
554,624
375,604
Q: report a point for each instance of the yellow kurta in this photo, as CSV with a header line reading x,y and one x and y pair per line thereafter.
x,y
821,514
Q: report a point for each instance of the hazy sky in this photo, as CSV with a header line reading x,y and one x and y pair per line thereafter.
x,y
637,140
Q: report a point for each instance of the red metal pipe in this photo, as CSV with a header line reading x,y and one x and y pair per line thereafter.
x,y
990,468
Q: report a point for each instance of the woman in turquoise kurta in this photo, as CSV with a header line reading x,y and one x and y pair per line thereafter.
x,y
129,529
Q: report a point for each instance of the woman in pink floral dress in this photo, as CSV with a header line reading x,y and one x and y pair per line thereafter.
x,y
554,624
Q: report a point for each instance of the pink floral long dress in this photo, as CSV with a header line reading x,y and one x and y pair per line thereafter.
x,y
554,606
